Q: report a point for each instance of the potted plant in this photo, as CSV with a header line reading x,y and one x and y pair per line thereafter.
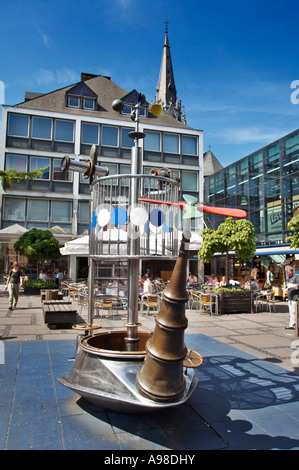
x,y
34,287
238,236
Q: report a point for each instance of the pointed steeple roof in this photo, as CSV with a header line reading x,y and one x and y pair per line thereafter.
x,y
166,94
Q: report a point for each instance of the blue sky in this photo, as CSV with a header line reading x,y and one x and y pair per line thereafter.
x,y
234,62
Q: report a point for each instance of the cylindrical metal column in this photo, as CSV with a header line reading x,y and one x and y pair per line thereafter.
x,y
134,241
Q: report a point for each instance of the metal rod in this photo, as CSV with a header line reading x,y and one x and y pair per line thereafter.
x,y
132,323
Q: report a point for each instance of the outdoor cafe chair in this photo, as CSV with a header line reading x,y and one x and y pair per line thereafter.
x,y
149,301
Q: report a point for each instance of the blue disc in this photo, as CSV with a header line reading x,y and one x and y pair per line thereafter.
x,y
156,217
119,216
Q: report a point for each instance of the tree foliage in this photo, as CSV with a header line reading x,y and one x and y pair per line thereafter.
x,y
293,226
38,245
236,235
10,176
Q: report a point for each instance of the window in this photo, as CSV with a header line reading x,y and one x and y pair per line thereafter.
x,y
152,141
90,134
38,209
73,101
88,104
59,175
126,141
189,145
189,181
83,216
41,128
37,163
61,211
64,131
18,125
14,209
16,162
171,143
110,136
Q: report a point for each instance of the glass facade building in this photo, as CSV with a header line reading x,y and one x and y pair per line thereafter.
x,y
265,184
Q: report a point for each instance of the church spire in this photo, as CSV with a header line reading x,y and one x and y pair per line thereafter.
x,y
166,94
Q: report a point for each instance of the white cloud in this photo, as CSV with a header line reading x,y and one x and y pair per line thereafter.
x,y
251,134
63,76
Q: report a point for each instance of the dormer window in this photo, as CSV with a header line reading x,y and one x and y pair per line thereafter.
x,y
73,101
129,109
81,97
89,103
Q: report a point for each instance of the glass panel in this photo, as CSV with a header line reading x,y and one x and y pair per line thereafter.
x,y
126,141
189,181
59,175
41,128
61,211
171,143
37,163
152,141
88,104
38,209
14,209
127,110
110,136
292,141
272,150
18,125
74,101
64,131
189,145
274,218
90,133
83,217
16,162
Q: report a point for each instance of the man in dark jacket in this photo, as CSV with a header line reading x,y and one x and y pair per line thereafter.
x,y
293,294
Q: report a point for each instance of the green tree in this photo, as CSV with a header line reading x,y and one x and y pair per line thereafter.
x,y
10,176
236,235
293,226
38,245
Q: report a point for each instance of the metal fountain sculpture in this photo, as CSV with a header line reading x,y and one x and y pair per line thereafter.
x,y
130,370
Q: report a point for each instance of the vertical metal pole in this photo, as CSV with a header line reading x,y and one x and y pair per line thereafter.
x,y
91,272
133,279
91,267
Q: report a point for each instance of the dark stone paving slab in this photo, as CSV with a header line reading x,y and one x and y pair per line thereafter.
x,y
240,402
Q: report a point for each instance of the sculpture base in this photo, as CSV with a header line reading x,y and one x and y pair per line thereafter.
x,y
107,377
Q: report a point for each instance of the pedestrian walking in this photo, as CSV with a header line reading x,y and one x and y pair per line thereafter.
x,y
293,294
13,283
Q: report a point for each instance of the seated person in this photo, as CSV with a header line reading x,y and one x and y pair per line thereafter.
x,y
254,286
112,287
223,282
212,281
192,279
147,285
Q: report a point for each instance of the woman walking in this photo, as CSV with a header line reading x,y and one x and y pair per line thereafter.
x,y
14,281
